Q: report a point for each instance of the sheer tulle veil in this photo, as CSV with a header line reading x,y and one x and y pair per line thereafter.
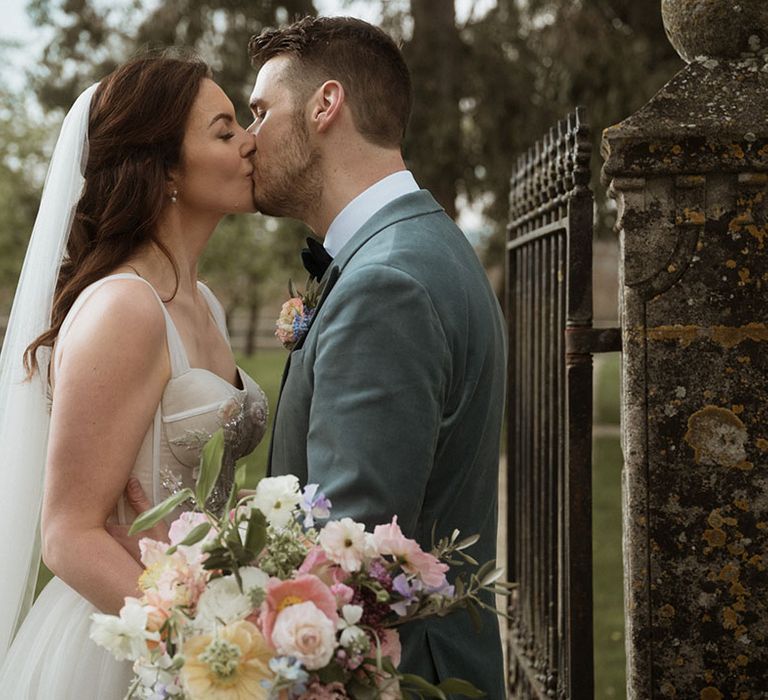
x,y
24,408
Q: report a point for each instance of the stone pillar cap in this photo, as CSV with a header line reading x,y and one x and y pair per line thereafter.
x,y
710,116
716,28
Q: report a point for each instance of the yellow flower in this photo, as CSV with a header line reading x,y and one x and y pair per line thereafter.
x,y
227,666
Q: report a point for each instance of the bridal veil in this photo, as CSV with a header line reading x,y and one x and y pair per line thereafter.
x,y
24,410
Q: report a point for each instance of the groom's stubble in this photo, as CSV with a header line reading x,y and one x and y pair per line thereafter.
x,y
288,181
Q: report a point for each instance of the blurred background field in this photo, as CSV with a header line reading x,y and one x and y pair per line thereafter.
x,y
490,76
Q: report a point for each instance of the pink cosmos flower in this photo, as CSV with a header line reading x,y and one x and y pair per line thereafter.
x,y
389,540
282,594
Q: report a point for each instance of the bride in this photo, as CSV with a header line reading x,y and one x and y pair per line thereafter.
x,y
116,364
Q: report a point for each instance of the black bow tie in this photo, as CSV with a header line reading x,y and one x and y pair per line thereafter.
x,y
315,258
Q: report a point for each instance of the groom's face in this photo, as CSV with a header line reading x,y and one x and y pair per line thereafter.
x,y
286,171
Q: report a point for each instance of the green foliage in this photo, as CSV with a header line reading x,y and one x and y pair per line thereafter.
x,y
22,168
155,514
484,90
210,466
607,587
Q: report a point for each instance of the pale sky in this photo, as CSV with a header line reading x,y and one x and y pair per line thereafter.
x,y
15,25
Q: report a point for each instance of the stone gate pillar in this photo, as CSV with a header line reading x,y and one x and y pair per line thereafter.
x,y
689,172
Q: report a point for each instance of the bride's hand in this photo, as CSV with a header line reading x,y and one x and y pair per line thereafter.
x,y
136,499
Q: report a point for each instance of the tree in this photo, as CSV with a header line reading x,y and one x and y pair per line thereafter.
x,y
22,169
434,55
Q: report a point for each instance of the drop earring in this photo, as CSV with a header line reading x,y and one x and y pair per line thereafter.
x,y
174,196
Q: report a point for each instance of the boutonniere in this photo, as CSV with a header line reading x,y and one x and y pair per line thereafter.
x,y
297,313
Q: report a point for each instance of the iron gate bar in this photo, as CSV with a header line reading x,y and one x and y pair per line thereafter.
x,y
551,340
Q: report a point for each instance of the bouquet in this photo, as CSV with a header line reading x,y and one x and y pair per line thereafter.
x,y
263,602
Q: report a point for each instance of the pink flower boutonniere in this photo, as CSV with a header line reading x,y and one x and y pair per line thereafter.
x,y
297,313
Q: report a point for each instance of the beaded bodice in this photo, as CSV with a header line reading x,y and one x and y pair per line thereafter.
x,y
194,405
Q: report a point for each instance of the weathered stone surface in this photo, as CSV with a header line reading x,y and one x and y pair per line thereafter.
x,y
693,226
716,28
709,117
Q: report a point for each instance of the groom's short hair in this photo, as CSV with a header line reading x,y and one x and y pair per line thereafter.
x,y
362,57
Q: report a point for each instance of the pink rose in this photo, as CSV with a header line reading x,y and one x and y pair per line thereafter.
x,y
302,589
305,632
317,562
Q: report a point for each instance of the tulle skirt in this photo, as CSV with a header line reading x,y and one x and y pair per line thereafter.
x,y
53,658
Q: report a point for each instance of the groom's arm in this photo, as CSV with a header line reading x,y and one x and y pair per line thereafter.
x,y
381,377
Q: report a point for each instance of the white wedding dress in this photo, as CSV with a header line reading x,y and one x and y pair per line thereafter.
x,y
52,656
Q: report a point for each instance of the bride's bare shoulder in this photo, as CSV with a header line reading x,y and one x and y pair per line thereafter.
x,y
121,320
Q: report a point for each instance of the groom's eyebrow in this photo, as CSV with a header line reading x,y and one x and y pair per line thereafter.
x,y
221,115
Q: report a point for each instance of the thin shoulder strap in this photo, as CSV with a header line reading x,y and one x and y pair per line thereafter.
x,y
217,310
176,351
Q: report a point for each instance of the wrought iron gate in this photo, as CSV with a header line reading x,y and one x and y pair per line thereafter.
x,y
549,450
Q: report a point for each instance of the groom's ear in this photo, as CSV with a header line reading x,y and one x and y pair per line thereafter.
x,y
327,103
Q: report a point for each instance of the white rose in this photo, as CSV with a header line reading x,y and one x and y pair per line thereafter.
x,y
125,637
277,497
222,602
305,632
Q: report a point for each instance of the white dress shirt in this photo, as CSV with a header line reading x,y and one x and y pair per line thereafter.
x,y
364,206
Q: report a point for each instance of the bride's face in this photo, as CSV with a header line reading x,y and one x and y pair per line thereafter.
x,y
215,172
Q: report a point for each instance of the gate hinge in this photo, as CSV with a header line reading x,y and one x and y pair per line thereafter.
x,y
587,341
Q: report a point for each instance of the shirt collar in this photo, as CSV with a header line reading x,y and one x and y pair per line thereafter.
x,y
364,206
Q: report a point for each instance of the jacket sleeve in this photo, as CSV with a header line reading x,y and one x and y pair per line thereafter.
x,y
381,377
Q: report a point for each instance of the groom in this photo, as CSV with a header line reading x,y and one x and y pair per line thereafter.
x,y
393,400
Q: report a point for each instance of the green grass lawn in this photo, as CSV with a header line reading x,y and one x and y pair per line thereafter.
x,y
266,367
607,586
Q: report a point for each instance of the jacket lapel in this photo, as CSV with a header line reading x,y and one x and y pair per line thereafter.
x,y
406,207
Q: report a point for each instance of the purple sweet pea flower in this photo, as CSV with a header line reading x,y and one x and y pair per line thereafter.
x,y
445,590
408,591
314,505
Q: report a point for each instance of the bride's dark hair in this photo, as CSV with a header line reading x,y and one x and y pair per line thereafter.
x,y
136,128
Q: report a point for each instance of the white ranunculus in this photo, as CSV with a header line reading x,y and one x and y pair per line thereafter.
x,y
126,636
223,602
306,633
277,497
